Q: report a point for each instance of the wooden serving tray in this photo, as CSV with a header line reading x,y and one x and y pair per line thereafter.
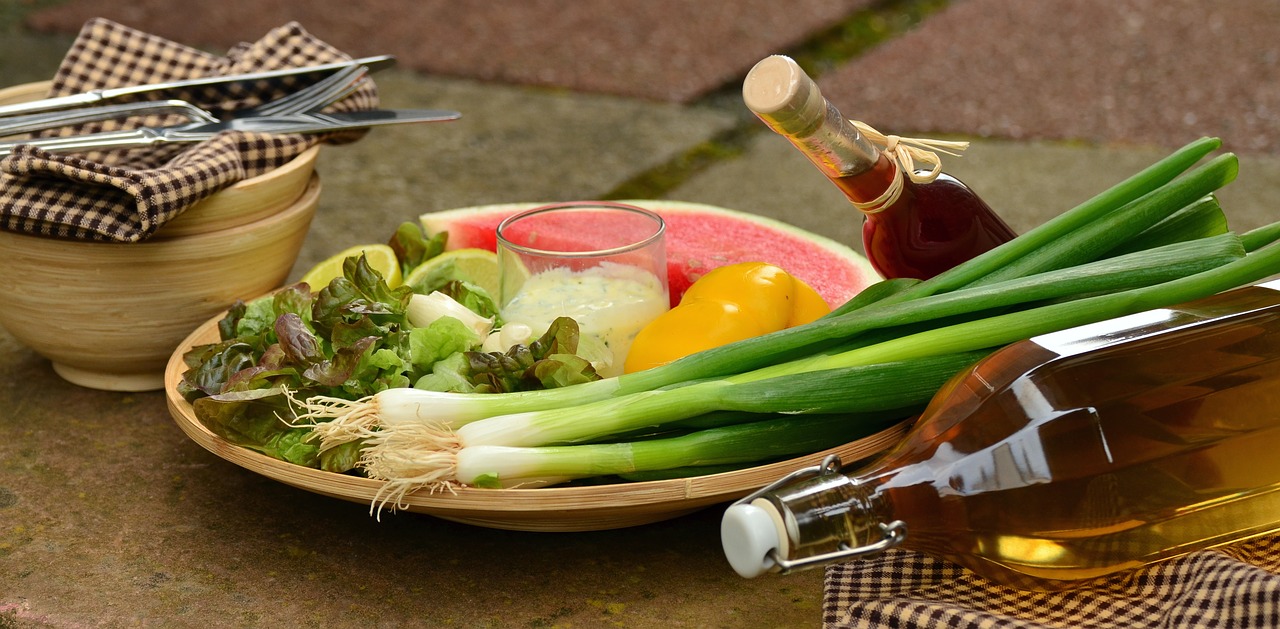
x,y
586,508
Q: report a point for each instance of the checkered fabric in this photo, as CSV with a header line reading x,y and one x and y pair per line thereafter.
x,y
125,195
1236,586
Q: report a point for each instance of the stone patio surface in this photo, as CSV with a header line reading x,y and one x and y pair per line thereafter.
x,y
111,517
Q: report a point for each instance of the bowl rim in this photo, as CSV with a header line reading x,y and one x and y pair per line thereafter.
x,y
288,213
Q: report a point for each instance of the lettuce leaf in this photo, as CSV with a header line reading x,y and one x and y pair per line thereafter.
x,y
413,246
352,339
444,337
546,363
255,420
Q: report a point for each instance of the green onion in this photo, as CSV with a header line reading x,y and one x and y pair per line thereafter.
x,y
1007,328
1151,241
1260,237
863,379
338,421
1201,219
888,385
1044,235
415,454
751,442
1091,241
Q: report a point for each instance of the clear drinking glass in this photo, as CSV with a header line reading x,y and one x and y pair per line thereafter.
x,y
603,264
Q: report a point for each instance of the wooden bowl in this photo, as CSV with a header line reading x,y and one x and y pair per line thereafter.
x,y
109,315
588,508
244,202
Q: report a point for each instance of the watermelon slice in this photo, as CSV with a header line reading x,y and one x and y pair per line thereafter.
x,y
699,238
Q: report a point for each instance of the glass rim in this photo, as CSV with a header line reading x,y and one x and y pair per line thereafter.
x,y
594,253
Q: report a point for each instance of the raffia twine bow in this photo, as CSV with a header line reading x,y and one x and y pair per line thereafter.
x,y
905,153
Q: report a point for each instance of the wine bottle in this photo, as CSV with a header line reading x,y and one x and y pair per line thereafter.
x,y
916,223
1059,459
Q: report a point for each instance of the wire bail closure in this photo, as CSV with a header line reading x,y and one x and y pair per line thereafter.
x,y
905,153
892,533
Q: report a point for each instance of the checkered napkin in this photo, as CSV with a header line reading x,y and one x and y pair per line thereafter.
x,y
1237,586
125,195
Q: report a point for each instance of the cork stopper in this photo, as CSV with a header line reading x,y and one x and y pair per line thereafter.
x,y
781,94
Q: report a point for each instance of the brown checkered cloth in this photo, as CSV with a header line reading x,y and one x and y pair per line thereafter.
x,y
125,195
1236,586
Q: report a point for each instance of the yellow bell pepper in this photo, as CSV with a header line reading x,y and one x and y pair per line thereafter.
x,y
728,304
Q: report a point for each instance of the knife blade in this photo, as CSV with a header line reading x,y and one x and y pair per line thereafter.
x,y
374,64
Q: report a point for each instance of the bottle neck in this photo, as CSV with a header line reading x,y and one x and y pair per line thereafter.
x,y
859,168
828,513
779,92
833,144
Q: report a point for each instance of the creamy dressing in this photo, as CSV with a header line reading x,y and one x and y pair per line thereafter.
x,y
610,302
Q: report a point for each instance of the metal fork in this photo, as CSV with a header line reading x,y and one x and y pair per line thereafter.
x,y
331,89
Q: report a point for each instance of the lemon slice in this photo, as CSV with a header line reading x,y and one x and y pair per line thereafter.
x,y
381,258
478,266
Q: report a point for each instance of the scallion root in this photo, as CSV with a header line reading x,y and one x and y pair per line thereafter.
x,y
410,457
335,421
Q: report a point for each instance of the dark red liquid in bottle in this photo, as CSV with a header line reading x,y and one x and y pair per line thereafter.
x,y
930,228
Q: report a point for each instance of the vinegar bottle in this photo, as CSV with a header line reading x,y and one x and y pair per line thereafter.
x,y
1066,457
915,224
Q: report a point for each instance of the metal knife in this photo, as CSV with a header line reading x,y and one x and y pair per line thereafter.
x,y
317,122
98,96
200,131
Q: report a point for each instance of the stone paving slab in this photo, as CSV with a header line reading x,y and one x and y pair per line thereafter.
x,y
1141,72
1135,72
511,145
672,50
110,516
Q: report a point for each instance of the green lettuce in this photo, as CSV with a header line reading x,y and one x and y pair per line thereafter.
x,y
351,339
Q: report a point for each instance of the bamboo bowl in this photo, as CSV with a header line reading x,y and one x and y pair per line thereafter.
x,y
551,509
108,315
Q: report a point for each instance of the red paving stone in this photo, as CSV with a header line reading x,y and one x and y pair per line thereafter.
x,y
669,50
1154,72
1146,72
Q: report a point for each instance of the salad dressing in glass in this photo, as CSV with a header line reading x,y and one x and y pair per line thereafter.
x,y
611,303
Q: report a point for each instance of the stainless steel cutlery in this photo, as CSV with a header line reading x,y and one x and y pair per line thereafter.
x,y
297,112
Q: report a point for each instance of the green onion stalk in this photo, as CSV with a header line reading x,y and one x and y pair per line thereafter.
x,y
1070,259
339,421
857,380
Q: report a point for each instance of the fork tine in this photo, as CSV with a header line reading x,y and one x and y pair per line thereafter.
x,y
330,96
334,94
318,93
337,90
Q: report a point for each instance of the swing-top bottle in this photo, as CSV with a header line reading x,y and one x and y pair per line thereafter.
x,y
1062,458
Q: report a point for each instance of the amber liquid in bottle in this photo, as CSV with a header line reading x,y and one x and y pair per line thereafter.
x,y
1066,458
930,228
